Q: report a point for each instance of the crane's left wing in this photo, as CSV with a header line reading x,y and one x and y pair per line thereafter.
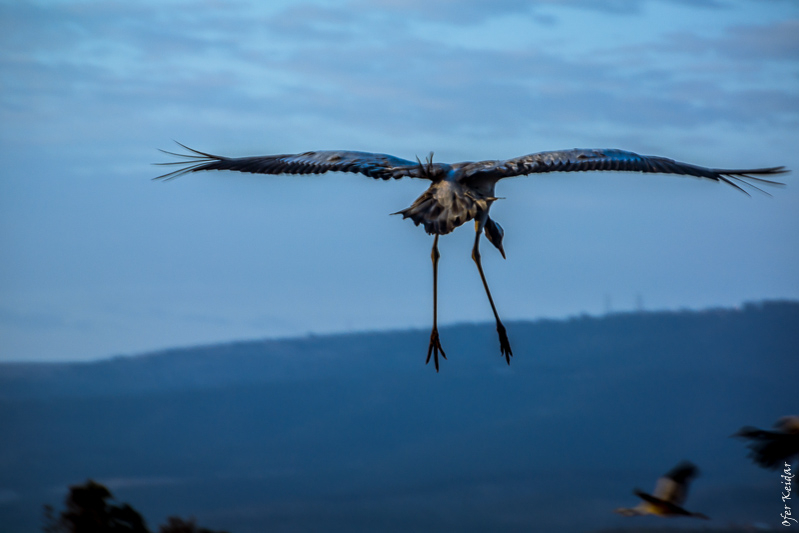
x,y
578,160
380,166
673,487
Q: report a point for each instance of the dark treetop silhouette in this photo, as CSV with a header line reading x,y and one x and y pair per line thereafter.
x,y
670,492
459,192
88,511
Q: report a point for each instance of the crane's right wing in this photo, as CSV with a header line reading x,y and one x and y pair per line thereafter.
x,y
380,166
581,160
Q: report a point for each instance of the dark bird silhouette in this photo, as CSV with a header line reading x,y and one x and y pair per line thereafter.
x,y
669,495
460,192
771,449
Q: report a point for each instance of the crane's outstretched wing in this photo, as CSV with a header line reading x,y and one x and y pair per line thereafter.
x,y
673,486
618,160
373,165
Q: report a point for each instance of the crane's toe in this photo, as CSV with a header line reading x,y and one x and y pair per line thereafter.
x,y
504,343
435,348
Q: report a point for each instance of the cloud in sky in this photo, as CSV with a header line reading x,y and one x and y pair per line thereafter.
x,y
364,67
90,89
774,42
472,11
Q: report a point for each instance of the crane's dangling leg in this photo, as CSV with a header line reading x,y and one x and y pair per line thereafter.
x,y
504,343
435,343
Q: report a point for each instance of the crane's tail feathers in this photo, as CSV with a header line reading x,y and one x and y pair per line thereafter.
x,y
776,170
196,154
746,177
729,181
764,171
177,173
195,161
752,185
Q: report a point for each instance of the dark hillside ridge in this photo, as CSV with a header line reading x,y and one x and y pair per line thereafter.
x,y
355,433
543,344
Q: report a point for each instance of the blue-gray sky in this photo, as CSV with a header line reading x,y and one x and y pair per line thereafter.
x,y
99,260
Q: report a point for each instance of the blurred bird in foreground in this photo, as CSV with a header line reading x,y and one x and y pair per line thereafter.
x,y
670,493
771,449
460,192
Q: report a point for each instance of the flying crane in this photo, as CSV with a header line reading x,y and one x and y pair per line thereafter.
x,y
461,192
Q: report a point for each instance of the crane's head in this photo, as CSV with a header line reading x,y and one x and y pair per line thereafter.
x,y
430,170
495,233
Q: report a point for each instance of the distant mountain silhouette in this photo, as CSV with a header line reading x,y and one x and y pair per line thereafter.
x,y
353,432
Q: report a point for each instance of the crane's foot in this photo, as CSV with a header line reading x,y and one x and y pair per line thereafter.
x,y
435,348
504,343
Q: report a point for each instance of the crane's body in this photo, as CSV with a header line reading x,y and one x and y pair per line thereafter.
x,y
773,450
461,192
669,495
